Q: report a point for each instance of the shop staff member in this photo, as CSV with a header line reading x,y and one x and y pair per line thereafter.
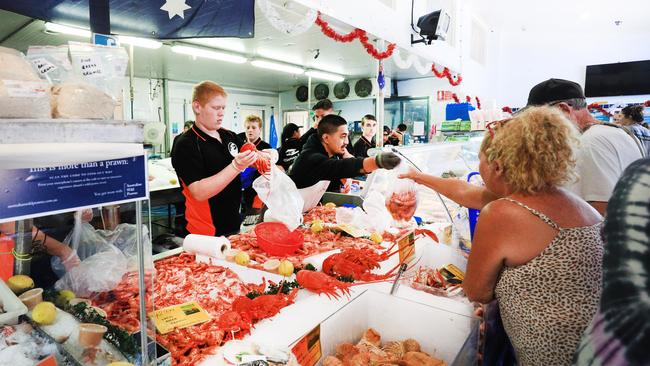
x,y
324,156
253,127
208,162
366,141
291,146
321,109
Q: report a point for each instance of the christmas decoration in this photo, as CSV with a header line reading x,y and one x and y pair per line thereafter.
x,y
455,98
289,28
446,73
412,60
647,103
478,103
381,81
356,33
507,109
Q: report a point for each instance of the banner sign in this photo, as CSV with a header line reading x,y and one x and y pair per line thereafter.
x,y
36,192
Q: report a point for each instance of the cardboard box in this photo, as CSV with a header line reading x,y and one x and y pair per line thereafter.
x,y
442,334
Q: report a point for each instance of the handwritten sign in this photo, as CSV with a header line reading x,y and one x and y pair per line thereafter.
x,y
91,66
43,66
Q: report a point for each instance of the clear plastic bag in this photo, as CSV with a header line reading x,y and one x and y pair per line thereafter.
x,y
88,241
101,66
51,62
98,273
22,93
402,198
280,195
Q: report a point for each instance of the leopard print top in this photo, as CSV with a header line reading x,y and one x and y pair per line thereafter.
x,y
547,303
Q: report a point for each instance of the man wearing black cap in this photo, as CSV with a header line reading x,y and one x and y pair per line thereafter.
x,y
605,151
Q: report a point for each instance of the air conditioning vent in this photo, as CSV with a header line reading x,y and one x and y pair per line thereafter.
x,y
363,88
341,90
302,93
321,91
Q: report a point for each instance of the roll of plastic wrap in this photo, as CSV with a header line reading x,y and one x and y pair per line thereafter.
x,y
206,245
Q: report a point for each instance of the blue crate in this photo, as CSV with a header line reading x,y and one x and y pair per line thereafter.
x,y
458,111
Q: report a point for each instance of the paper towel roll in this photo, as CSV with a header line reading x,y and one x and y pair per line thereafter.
x,y
206,245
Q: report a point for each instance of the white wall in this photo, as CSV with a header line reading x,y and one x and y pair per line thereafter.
x,y
526,63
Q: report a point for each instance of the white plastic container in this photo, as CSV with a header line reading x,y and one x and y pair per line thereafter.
x,y
442,334
12,305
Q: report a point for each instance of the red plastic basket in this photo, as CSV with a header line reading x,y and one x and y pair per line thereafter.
x,y
276,239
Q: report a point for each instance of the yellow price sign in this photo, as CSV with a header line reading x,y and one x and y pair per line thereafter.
x,y
179,316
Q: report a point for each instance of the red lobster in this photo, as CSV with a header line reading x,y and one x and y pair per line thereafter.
x,y
358,264
262,164
246,311
320,283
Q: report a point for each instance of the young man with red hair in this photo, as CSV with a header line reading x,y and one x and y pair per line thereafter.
x,y
208,163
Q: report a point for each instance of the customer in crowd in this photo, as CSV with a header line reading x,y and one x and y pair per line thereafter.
x,y
620,332
367,139
186,127
400,134
605,151
208,163
615,111
527,242
325,157
321,109
253,134
389,139
632,120
291,146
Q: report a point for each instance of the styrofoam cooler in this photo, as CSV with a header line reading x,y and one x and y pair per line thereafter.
x,y
442,334
13,307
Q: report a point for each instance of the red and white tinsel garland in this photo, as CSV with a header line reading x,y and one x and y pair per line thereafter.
x,y
647,103
356,33
445,73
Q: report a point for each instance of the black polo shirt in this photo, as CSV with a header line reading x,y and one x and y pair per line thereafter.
x,y
313,165
289,152
198,156
361,147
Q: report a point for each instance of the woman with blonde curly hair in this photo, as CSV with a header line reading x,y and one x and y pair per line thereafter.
x,y
537,247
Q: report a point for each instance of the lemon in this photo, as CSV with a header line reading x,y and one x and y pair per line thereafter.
x,y
317,226
376,237
64,297
173,181
286,268
20,283
330,205
242,258
44,313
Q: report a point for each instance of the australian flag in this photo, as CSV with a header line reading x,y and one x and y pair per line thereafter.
x,y
160,19
273,133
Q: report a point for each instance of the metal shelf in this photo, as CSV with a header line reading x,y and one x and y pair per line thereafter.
x,y
29,131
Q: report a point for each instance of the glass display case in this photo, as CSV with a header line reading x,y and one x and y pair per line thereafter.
x,y
75,238
413,112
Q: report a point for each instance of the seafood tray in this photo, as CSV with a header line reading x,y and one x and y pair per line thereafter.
x,y
12,307
445,335
67,358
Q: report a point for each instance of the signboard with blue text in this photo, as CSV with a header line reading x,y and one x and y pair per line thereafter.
x,y
36,192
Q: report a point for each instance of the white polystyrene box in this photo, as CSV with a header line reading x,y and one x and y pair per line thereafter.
x,y
14,308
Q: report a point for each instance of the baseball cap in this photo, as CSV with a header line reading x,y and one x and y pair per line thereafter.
x,y
553,90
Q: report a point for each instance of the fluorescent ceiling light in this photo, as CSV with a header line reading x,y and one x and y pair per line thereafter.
x,y
80,32
73,31
201,52
278,67
324,75
140,42
232,44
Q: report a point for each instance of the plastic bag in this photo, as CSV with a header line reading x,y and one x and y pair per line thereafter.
x,y
401,198
88,241
98,273
280,195
22,93
378,217
51,62
103,67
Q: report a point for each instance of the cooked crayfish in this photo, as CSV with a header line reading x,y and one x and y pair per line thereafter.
x,y
320,283
246,311
358,264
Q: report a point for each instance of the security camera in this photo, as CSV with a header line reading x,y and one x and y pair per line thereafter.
x,y
433,26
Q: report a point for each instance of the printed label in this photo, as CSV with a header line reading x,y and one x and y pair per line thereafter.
x,y
308,349
179,316
26,89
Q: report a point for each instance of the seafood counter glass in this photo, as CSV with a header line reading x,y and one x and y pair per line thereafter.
x,y
79,276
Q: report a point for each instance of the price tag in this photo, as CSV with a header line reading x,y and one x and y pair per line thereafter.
x,y
308,349
91,66
26,89
406,245
43,66
179,316
48,361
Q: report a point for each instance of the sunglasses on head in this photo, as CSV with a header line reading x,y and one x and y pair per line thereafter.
x,y
490,126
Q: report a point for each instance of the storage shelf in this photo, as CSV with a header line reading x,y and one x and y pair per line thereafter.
x,y
30,131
